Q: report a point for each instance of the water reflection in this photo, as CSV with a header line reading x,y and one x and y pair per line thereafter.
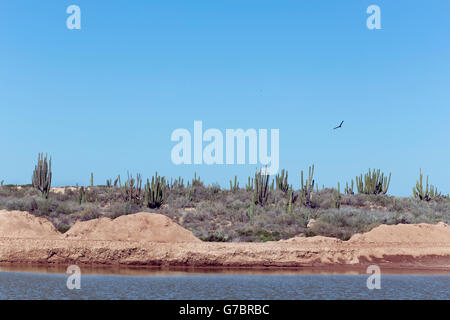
x,y
179,271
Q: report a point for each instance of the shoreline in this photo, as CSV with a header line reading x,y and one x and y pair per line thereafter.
x,y
268,256
127,270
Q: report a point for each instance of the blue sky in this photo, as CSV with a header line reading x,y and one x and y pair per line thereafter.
x,y
106,98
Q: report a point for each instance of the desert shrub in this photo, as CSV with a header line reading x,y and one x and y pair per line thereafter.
x,y
89,213
326,229
46,206
120,209
21,204
67,207
216,236
63,228
178,202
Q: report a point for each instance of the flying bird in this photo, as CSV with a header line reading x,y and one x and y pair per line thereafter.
x,y
339,126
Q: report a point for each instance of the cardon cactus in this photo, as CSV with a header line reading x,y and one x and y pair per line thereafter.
x,y
428,194
155,193
42,175
234,187
373,182
261,187
307,188
282,181
132,190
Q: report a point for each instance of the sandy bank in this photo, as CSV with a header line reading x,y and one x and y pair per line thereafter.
x,y
154,240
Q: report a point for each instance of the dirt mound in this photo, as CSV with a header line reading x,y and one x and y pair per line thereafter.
x,y
406,233
142,226
19,224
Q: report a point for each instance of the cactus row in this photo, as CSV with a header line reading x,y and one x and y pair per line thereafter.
x,y
174,183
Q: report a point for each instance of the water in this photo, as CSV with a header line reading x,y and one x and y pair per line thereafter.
x,y
242,285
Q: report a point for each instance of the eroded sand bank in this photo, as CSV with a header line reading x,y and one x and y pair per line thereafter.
x,y
148,239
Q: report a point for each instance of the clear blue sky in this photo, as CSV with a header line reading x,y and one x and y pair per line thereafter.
x,y
106,98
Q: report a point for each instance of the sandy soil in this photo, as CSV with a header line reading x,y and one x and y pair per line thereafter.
x,y
141,226
18,224
133,240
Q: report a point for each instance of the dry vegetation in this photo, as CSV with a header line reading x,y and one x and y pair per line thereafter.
x,y
216,214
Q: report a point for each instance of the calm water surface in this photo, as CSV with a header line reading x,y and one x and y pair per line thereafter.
x,y
51,284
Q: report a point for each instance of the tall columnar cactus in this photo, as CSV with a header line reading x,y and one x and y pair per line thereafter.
x,y
196,180
373,182
132,190
428,194
82,196
234,187
251,209
117,182
92,179
178,183
349,190
307,188
292,199
155,193
42,175
282,181
249,185
261,187
337,197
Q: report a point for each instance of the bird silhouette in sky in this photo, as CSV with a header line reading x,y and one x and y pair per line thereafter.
x,y
339,126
